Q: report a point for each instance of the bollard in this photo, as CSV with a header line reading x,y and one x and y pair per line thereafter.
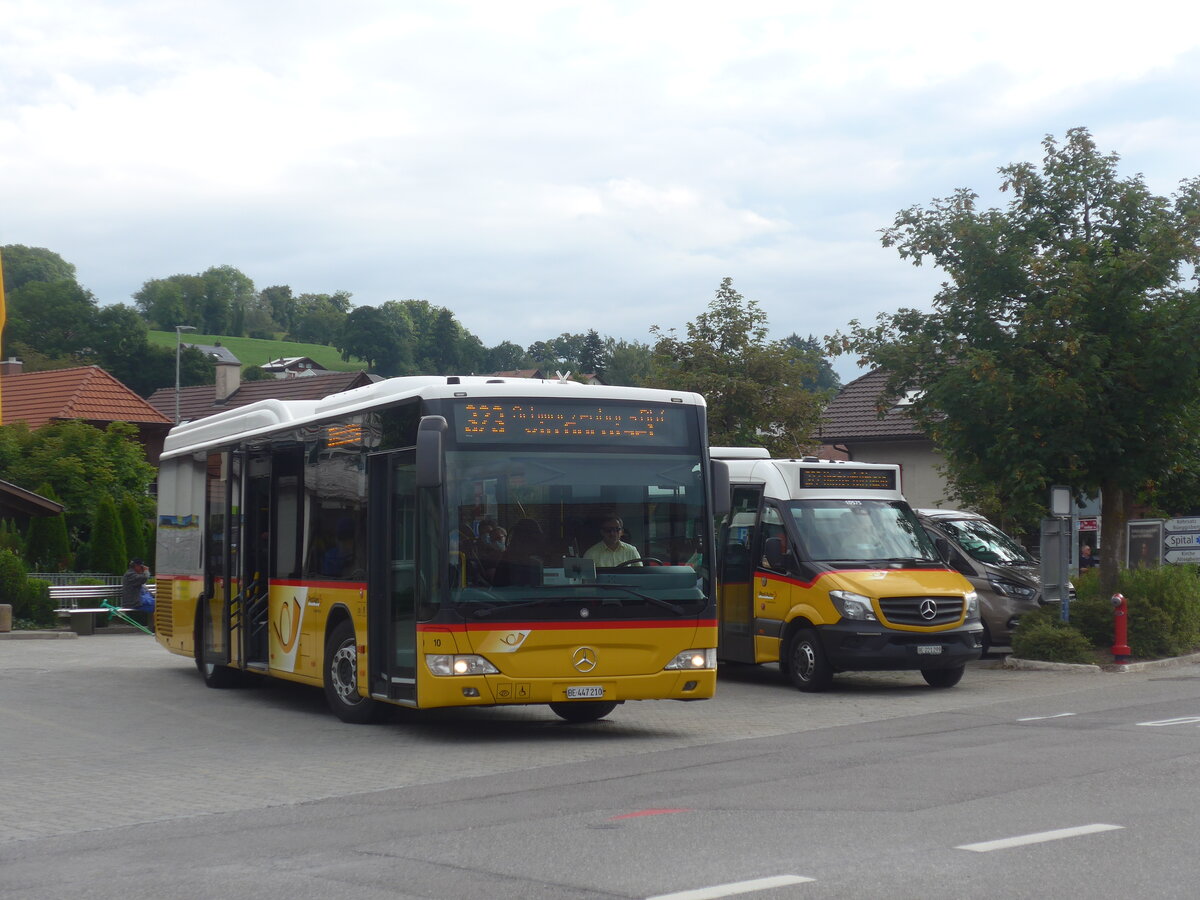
x,y
1120,647
5,617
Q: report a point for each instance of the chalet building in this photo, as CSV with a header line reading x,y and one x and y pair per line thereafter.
x,y
859,425
87,393
293,367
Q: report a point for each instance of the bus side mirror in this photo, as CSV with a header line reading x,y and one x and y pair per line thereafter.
x,y
718,471
431,452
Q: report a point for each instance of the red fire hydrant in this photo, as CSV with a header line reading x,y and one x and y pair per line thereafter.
x,y
1120,647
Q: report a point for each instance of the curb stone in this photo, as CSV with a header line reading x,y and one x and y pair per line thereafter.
x,y
1011,662
36,635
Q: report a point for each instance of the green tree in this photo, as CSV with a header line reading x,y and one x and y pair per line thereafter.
x,y
81,463
824,379
106,551
370,335
319,318
753,386
56,317
47,546
1063,347
133,527
504,357
629,362
25,264
593,354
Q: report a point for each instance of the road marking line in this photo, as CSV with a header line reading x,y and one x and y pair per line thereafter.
x,y
1040,837
1182,720
734,888
1036,718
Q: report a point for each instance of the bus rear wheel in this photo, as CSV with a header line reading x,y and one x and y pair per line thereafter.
x,y
341,678
807,666
583,710
943,678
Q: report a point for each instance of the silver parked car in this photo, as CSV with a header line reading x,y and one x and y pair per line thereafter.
x,y
1003,573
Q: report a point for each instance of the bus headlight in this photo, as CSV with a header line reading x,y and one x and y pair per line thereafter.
x,y
463,664
694,659
853,606
971,600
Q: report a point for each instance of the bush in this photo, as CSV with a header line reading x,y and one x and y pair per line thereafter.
x,y
38,608
1164,610
1043,635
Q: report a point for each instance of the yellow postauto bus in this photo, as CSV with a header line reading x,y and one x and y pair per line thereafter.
x,y
824,568
355,543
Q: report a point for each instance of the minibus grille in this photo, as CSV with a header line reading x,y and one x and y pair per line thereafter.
x,y
916,610
164,597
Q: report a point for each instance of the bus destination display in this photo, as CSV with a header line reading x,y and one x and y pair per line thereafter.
x,y
838,478
533,422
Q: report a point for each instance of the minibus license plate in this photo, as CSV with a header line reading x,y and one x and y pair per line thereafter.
x,y
585,691
928,649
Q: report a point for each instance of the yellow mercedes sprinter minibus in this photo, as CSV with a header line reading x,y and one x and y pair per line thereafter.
x,y
824,568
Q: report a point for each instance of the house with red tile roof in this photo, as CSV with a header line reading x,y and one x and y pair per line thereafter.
x,y
87,393
860,424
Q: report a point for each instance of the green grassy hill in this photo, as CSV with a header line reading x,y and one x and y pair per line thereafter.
x,y
255,351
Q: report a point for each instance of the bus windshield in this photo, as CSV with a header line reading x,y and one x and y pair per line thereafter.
x,y
858,531
548,534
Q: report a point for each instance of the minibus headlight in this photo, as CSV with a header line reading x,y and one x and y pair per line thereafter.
x,y
971,601
694,659
462,664
853,606
1006,588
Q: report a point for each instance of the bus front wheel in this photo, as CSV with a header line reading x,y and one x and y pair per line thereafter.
x,y
807,666
341,678
583,710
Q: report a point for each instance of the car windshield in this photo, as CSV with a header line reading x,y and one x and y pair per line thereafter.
x,y
983,541
856,531
552,534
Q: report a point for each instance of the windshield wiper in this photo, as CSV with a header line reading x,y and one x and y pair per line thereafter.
x,y
485,611
656,601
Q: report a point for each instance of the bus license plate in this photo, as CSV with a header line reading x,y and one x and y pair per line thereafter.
x,y
929,649
582,692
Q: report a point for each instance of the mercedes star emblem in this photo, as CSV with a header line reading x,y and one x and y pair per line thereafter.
x,y
584,659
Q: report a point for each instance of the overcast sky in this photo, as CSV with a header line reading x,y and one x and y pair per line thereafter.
x,y
541,167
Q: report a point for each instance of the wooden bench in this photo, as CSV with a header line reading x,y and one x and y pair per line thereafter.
x,y
83,618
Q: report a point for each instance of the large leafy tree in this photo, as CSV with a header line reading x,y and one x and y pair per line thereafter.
x,y
81,464
56,317
753,387
25,264
369,334
1064,346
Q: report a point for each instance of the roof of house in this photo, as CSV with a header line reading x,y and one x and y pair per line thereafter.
x,y
853,415
87,392
16,499
217,353
200,400
289,362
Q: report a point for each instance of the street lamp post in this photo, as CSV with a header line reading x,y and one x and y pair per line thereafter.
x,y
179,329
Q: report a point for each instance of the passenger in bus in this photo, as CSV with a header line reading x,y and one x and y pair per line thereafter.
x,y
338,557
522,561
610,550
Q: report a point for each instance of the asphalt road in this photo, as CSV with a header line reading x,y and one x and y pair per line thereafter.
x,y
124,777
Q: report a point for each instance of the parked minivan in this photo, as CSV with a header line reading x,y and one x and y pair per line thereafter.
x,y
1003,573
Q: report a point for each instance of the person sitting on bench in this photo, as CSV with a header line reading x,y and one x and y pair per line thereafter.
x,y
134,593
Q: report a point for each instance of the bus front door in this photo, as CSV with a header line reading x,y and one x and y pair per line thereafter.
x,y
736,574
392,589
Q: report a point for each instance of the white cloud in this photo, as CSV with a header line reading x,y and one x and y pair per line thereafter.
x,y
552,166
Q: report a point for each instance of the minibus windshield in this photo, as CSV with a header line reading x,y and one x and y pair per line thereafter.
x,y
857,531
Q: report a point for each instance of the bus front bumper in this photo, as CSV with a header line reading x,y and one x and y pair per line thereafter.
x,y
856,646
